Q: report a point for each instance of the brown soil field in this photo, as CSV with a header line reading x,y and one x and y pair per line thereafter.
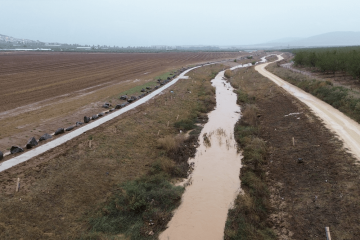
x,y
324,189
65,187
41,92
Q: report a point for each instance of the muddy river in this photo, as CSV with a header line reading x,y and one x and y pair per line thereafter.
x,y
215,182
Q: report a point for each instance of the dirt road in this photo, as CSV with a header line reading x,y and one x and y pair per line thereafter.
x,y
347,129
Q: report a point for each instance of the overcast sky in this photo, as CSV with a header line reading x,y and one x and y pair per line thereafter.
x,y
170,22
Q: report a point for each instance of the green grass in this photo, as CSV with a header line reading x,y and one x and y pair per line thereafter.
x,y
137,89
164,76
339,97
139,208
185,125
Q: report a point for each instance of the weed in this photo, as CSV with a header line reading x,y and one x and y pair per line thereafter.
x,y
140,208
185,125
227,73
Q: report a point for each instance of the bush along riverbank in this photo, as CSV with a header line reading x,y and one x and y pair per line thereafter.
x,y
248,218
141,208
342,98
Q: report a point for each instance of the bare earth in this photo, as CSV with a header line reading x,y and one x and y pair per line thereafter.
x,y
41,92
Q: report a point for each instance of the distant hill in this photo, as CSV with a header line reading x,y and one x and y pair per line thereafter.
x,y
329,39
8,39
286,40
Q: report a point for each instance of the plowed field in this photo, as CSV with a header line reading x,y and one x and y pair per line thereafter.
x,y
31,77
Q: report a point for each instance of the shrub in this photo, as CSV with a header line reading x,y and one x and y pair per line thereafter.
x,y
149,199
170,143
249,114
227,73
185,125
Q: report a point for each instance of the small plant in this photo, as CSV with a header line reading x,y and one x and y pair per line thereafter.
x,y
140,209
185,125
227,73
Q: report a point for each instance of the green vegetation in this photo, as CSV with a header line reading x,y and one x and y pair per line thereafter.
x,y
165,75
344,99
137,89
140,208
345,59
185,125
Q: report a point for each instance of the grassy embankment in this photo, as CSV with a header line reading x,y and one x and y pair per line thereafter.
x,y
248,218
113,182
151,84
342,98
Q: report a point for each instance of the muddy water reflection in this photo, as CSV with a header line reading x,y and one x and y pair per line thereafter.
x,y
215,181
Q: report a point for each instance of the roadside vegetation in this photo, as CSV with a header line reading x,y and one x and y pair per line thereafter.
x,y
114,182
331,60
248,219
344,99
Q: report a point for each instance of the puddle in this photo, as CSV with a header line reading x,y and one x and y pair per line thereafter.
x,y
214,183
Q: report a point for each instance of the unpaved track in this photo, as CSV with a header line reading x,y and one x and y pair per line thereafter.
x,y
347,129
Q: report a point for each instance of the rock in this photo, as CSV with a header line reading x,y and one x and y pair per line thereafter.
x,y
132,99
148,88
1,155
31,143
69,128
159,80
124,104
124,97
59,131
86,119
111,110
156,87
300,160
168,78
101,114
143,90
106,105
44,137
118,106
16,149
79,124
94,117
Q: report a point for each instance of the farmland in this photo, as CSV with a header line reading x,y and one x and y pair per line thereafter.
x,y
43,91
28,78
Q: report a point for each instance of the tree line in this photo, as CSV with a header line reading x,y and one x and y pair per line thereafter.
x,y
343,59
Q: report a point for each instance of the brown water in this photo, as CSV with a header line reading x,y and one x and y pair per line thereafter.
x,y
215,181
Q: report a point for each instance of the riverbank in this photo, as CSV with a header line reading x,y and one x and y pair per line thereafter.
x,y
311,180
